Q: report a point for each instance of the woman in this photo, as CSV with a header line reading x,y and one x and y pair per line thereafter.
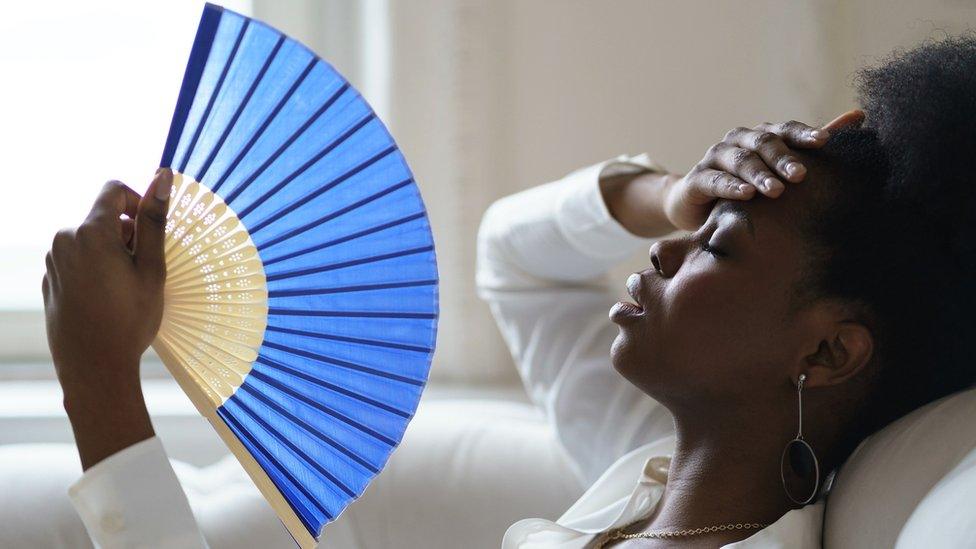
x,y
838,273
824,268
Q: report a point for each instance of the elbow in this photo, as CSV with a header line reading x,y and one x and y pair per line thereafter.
x,y
492,238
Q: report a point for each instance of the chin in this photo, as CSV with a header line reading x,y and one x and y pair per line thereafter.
x,y
626,358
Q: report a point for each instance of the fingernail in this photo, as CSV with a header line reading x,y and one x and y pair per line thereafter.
x,y
794,169
819,134
164,183
772,184
743,189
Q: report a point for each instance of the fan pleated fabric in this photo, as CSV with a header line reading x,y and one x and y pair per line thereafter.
x,y
301,297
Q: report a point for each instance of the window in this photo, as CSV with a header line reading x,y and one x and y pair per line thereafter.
x,y
88,93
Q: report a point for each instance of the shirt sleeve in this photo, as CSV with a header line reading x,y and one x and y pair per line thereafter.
x,y
133,499
543,255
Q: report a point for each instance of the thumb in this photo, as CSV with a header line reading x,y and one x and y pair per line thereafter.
x,y
150,226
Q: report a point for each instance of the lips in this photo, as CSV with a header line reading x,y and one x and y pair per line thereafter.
x,y
633,288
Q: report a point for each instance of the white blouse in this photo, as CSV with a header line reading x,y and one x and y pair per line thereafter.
x,y
543,255
542,258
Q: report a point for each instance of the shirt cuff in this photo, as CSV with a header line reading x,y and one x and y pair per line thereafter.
x,y
583,217
133,499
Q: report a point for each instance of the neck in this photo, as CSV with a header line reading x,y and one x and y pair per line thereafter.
x,y
724,470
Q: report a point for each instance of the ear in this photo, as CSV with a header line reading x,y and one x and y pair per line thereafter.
x,y
841,355
853,117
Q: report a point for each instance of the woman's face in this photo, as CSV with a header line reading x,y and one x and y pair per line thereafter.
x,y
712,316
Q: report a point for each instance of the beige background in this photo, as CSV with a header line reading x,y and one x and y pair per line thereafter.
x,y
487,97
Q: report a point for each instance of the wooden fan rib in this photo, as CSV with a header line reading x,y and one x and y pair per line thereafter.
x,y
219,309
221,322
249,338
219,353
178,346
244,255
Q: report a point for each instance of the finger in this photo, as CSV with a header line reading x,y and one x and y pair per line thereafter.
x,y
851,118
721,184
128,231
747,166
797,134
45,290
114,200
774,152
151,224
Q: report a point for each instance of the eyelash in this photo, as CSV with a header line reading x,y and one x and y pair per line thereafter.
x,y
703,246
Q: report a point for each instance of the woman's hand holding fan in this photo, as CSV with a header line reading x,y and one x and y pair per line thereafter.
x,y
103,300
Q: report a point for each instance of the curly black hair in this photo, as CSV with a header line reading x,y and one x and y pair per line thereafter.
x,y
897,238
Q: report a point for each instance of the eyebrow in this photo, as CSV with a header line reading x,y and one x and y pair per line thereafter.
x,y
737,208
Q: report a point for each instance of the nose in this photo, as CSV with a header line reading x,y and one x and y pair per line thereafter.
x,y
666,256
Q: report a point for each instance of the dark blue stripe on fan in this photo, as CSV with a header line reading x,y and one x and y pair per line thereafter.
x,y
276,467
308,164
357,288
199,54
343,363
291,445
344,264
240,109
264,125
335,214
346,339
291,139
326,385
341,417
301,169
302,423
346,238
213,97
349,314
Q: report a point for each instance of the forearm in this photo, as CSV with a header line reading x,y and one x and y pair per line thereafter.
x,y
636,201
108,418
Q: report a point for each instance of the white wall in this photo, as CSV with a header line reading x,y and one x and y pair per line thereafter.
x,y
487,97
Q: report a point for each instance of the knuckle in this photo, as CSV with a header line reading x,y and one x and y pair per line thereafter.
x,y
715,179
742,156
765,138
62,238
734,133
713,151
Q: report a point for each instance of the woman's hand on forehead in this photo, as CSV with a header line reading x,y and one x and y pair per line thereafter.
x,y
744,162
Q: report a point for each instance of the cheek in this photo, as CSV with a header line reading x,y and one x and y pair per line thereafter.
x,y
713,320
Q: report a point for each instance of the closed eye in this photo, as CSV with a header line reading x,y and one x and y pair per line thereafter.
x,y
703,245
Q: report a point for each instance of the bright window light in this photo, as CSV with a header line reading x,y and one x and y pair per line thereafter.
x,y
88,92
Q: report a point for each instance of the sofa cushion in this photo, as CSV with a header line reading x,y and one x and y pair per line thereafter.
x,y
908,464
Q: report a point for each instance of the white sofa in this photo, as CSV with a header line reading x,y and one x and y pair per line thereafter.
x,y
468,467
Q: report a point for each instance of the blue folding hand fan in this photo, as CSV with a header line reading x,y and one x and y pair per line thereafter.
x,y
301,294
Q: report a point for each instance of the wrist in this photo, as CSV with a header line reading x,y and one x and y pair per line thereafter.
x,y
637,202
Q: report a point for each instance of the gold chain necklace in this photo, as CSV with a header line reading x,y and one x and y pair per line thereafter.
x,y
618,533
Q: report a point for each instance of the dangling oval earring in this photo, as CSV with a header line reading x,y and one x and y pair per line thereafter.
x,y
799,456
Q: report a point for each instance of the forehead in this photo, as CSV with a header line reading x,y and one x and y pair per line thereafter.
x,y
789,211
